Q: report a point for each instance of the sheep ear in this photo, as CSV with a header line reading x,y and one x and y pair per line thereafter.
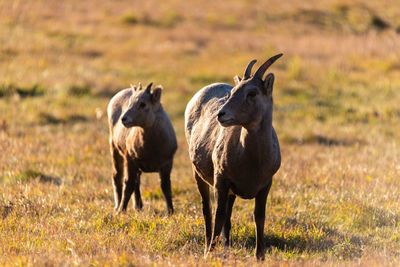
x,y
269,83
237,79
156,94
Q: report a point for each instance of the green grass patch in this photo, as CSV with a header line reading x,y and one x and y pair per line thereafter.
x,y
130,18
31,174
334,200
79,90
11,89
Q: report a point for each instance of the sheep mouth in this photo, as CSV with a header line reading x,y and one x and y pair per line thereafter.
x,y
227,122
128,124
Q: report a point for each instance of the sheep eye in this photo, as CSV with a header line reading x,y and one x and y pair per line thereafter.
x,y
252,94
142,105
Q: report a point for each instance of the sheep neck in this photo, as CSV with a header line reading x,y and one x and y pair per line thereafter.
x,y
256,142
154,129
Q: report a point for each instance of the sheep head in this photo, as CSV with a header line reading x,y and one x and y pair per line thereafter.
x,y
251,97
142,106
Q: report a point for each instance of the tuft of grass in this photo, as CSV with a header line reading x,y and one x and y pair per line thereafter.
x,y
357,18
29,174
79,90
379,23
212,19
129,18
45,118
230,21
170,18
347,250
10,89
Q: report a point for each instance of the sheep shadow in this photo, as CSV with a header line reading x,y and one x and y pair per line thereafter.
x,y
333,242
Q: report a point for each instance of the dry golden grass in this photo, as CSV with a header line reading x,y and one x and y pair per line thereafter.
x,y
335,200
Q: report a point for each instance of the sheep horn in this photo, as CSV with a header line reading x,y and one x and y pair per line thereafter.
x,y
148,87
263,68
247,72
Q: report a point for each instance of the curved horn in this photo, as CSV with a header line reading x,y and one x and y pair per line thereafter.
x,y
247,72
148,87
263,68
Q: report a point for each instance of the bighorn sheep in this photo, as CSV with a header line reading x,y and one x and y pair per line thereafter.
x,y
142,139
234,148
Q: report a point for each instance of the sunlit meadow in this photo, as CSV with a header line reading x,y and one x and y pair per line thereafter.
x,y
335,200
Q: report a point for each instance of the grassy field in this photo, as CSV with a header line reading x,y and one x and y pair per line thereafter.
x,y
335,200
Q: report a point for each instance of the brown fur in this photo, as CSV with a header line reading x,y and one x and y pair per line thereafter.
x,y
234,148
142,139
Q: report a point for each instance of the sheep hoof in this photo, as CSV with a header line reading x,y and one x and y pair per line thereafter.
x,y
260,256
206,252
170,212
120,211
139,208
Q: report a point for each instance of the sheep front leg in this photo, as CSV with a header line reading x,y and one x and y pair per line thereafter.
x,y
117,175
227,225
259,219
165,176
221,195
138,196
129,185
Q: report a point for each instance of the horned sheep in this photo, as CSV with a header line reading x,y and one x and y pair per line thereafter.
x,y
233,147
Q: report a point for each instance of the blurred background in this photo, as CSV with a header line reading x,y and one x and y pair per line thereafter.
x,y
337,114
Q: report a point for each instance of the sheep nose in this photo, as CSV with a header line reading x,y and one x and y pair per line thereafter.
x,y
124,119
221,114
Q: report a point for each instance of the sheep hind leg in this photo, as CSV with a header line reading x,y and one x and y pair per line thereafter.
x,y
259,218
117,175
227,225
165,176
204,190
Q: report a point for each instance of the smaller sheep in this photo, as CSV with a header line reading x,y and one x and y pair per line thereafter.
x,y
142,139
